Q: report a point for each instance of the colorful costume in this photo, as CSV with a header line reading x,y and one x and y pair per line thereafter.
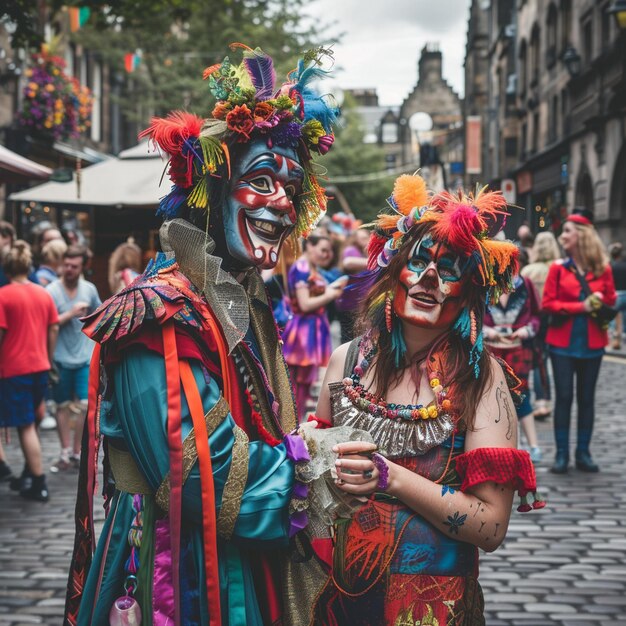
x,y
520,311
390,565
188,390
306,338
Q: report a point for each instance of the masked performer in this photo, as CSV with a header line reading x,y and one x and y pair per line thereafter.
x,y
188,387
439,409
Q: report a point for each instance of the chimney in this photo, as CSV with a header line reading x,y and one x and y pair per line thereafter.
x,y
429,65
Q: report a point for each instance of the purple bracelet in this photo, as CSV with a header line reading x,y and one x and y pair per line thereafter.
x,y
383,471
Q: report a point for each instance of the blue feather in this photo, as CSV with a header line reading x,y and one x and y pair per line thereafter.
x,y
169,206
398,345
304,75
316,108
260,68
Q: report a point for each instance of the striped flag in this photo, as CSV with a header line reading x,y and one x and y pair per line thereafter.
x,y
78,17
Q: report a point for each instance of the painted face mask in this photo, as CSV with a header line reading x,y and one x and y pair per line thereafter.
x,y
431,285
260,209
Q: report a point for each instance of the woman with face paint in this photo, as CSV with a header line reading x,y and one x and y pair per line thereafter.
x,y
440,478
306,339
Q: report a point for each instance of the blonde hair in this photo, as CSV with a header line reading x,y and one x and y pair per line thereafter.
x,y
52,253
591,249
545,249
18,260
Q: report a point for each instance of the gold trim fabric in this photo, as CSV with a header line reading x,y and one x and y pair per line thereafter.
x,y
127,475
213,419
235,485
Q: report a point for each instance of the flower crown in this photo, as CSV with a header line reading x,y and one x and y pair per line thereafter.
x,y
462,220
249,106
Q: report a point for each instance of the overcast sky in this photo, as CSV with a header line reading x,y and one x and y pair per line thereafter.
x,y
383,38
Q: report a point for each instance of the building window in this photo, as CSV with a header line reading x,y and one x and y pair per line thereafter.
x,y
534,55
535,142
551,36
586,29
523,68
605,35
523,142
510,146
553,129
390,132
566,24
564,130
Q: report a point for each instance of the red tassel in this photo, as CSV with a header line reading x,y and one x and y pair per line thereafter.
x,y
257,420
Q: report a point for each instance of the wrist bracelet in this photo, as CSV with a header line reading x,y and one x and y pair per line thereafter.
x,y
383,471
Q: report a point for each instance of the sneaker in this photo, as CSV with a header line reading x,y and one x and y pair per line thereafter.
x,y
37,491
62,465
536,455
5,473
48,423
21,482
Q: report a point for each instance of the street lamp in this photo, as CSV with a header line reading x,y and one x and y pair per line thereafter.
x,y
572,61
618,9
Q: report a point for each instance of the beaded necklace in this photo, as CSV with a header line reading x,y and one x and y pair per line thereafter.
x,y
367,401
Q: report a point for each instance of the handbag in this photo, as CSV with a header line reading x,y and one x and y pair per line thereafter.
x,y
604,314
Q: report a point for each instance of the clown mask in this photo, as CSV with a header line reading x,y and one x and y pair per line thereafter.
x,y
429,292
260,208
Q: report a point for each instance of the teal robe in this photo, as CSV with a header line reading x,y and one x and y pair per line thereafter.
x,y
137,419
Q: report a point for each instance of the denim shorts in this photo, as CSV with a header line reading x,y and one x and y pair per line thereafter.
x,y
19,398
73,383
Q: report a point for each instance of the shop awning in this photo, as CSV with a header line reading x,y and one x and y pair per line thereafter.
x,y
130,180
14,168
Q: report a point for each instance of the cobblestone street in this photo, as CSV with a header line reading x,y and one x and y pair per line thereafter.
x,y
564,565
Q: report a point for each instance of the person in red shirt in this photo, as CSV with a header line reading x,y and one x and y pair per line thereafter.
x,y
28,330
575,339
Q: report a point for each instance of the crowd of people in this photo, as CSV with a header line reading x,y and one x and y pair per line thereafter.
x,y
44,355
226,501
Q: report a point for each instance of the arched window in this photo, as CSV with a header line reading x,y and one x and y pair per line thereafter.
x,y
584,191
535,52
551,35
523,67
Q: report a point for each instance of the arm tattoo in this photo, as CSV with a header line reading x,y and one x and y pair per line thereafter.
x,y
504,408
455,522
481,527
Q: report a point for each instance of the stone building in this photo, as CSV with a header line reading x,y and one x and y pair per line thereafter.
x,y
475,103
556,75
432,95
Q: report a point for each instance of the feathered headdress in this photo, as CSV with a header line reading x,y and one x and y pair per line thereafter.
x,y
249,106
463,221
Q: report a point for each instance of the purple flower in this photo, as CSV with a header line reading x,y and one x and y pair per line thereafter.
x,y
287,135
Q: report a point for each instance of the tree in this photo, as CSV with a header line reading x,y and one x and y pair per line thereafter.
x,y
350,157
180,39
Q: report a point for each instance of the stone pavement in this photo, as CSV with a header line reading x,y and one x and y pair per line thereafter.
x,y
564,565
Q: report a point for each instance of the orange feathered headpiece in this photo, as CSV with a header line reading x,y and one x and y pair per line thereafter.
x,y
462,220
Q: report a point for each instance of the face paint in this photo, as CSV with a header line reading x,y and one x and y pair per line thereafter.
x,y
430,287
260,211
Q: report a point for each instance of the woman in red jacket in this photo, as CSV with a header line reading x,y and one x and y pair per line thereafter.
x,y
575,339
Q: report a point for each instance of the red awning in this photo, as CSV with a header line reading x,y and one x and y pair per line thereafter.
x,y
16,168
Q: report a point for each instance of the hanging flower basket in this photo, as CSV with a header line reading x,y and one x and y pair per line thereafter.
x,y
53,102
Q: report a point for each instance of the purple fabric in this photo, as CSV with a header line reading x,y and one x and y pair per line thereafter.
x,y
300,490
296,448
162,586
306,337
297,522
